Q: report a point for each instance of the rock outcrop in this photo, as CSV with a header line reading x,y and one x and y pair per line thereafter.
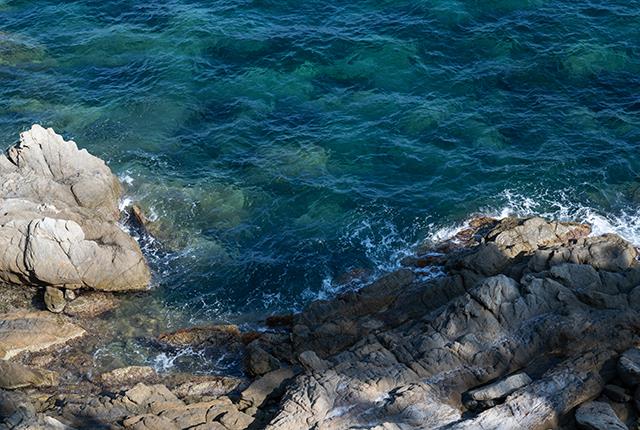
x,y
59,219
534,297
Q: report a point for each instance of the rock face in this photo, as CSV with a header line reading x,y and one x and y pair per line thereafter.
x,y
58,219
25,331
536,299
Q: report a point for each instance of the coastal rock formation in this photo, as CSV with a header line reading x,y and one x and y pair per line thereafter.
x,y
531,296
59,219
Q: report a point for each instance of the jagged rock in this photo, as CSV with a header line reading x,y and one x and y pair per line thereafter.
x,y
14,375
54,299
629,367
91,304
487,395
405,349
25,331
598,416
127,376
58,219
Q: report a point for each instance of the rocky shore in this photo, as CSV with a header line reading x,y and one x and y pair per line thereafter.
x,y
534,324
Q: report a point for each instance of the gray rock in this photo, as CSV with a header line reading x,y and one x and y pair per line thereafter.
x,y
54,299
598,416
58,219
629,367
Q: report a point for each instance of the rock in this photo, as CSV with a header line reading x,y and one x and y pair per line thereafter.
x,y
598,416
54,299
127,376
514,236
279,320
236,420
218,335
629,367
25,331
616,394
14,375
487,395
261,388
403,352
69,295
214,387
312,362
91,304
258,361
59,219
16,411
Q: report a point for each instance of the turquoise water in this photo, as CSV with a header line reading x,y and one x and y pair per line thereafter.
x,y
278,145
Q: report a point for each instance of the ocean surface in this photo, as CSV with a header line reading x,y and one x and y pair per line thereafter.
x,y
289,150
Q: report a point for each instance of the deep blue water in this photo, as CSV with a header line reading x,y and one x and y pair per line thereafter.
x,y
281,144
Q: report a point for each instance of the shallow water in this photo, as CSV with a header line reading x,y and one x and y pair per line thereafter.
x,y
279,145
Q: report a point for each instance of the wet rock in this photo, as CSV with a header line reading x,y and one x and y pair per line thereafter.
x,y
279,320
218,335
91,304
58,226
629,367
488,395
25,331
127,376
54,299
598,416
14,375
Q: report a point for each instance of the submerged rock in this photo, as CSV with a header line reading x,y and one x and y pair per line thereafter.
x,y
59,219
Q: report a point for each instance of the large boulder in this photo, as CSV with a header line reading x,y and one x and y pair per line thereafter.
x,y
59,219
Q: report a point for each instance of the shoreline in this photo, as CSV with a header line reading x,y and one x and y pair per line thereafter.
x,y
531,324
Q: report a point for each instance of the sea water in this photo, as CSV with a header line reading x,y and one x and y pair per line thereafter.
x,y
288,150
